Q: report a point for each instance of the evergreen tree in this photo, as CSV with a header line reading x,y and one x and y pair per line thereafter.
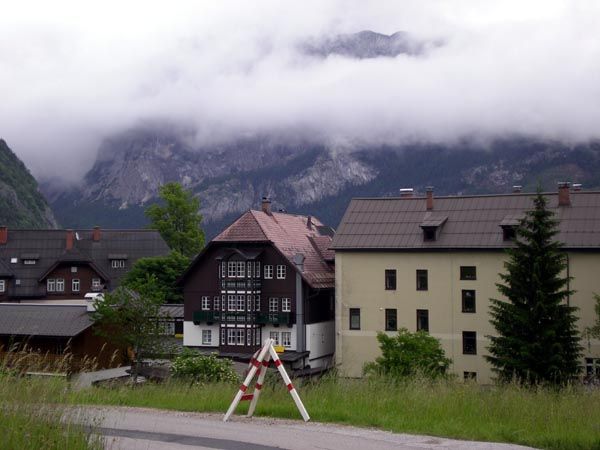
x,y
178,221
538,340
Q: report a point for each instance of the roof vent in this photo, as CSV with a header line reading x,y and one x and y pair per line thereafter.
x,y
564,199
406,192
517,189
577,187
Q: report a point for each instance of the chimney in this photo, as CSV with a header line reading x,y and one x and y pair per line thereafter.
x,y
429,190
266,205
3,235
577,187
517,189
309,222
69,239
406,192
563,194
96,234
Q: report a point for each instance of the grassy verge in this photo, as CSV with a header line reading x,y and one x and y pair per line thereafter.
x,y
30,418
569,419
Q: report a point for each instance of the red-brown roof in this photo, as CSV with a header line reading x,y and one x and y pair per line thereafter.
x,y
290,234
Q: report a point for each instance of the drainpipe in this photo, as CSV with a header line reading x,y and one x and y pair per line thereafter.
x,y
300,327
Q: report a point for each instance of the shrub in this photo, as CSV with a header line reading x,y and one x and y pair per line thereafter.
x,y
203,368
408,354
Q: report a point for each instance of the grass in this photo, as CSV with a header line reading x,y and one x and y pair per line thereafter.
x,y
569,419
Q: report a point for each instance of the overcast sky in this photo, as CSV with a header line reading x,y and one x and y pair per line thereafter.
x,y
71,74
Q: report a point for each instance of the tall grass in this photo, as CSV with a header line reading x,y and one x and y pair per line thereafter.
x,y
543,418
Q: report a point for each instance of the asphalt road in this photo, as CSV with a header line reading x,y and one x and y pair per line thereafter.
x,y
149,429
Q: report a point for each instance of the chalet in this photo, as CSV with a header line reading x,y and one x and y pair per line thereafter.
x,y
267,275
432,264
67,264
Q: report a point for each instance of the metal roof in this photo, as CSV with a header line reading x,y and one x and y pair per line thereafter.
x,y
43,320
473,222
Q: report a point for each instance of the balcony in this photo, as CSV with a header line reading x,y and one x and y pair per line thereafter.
x,y
241,285
285,318
210,317
206,317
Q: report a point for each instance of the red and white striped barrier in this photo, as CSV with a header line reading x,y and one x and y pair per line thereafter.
x,y
261,360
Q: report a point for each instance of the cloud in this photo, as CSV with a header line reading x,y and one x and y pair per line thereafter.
x,y
72,74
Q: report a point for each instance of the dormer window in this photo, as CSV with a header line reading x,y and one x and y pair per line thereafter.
x,y
30,259
429,234
509,233
117,263
509,226
431,226
29,262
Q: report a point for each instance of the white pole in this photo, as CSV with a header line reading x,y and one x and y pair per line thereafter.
x,y
289,384
259,385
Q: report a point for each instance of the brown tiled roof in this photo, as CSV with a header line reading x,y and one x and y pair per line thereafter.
x,y
290,234
472,221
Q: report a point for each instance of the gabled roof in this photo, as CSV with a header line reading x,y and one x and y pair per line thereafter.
x,y
43,320
473,222
50,248
290,234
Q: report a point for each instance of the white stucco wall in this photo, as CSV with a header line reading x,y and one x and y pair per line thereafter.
x,y
192,334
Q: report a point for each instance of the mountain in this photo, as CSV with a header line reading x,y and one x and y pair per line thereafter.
x,y
303,177
21,203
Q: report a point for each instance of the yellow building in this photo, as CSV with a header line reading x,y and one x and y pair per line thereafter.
x,y
433,264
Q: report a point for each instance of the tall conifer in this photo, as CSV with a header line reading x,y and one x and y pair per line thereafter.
x,y
537,338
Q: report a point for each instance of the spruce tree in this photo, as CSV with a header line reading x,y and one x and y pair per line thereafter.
x,y
537,338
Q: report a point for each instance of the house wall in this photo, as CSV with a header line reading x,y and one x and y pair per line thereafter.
x,y
192,334
360,284
84,274
4,295
320,342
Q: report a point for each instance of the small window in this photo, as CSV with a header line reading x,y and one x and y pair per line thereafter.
x,y
75,285
470,376
249,304
355,318
206,337
223,336
257,269
592,367
509,233
268,270
231,303
286,305
391,320
422,284
14,260
468,301
241,302
281,269
257,302
2,286
216,303
469,343
29,262
96,284
273,304
60,285
429,234
231,269
423,320
51,285
117,263
390,279
73,269
223,269
286,339
241,269
205,303
468,273
275,336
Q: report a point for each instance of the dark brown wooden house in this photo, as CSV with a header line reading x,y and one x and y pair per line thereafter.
x,y
267,275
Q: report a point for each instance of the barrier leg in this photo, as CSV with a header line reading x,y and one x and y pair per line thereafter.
x,y
289,385
259,384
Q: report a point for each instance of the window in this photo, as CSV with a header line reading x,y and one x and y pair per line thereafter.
x,y
257,337
223,269
60,285
286,305
257,303
231,303
268,272
235,336
470,376
96,284
257,269
73,269
51,285
428,233
281,272
216,303
391,320
29,262
14,260
249,303
469,343
390,279
249,335
286,339
206,337
275,336
117,263
241,269
205,303
468,301
2,285
241,302
166,328
273,304
423,320
355,318
592,367
509,233
249,269
231,269
223,335
422,284
468,273
75,284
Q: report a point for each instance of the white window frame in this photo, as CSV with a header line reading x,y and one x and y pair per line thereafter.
x,y
273,304
217,302
29,262
257,269
268,271
249,269
281,271
205,303
286,305
257,336
231,302
223,269
223,336
230,336
257,302
241,269
60,285
286,339
51,285
206,337
241,302
275,336
249,304
96,283
117,263
73,269
248,337
75,285
2,286
231,269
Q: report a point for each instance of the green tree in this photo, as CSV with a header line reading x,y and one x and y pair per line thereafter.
x,y
178,220
594,330
131,318
538,340
164,269
409,354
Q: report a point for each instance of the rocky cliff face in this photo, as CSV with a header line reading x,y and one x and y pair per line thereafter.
x,y
21,204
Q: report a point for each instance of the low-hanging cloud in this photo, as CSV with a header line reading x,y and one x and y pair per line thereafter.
x,y
72,74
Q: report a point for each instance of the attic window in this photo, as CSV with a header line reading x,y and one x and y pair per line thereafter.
x,y
29,262
509,233
117,263
429,234
14,260
430,226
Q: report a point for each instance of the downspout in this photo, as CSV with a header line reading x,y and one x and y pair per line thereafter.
x,y
300,327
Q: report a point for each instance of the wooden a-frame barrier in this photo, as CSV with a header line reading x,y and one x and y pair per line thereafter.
x,y
261,360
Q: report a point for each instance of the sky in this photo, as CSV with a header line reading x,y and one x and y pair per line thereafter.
x,y
73,73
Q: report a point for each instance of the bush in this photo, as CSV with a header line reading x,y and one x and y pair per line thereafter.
x,y
409,354
203,368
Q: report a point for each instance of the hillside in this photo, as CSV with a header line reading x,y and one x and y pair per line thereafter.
x,y
21,203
